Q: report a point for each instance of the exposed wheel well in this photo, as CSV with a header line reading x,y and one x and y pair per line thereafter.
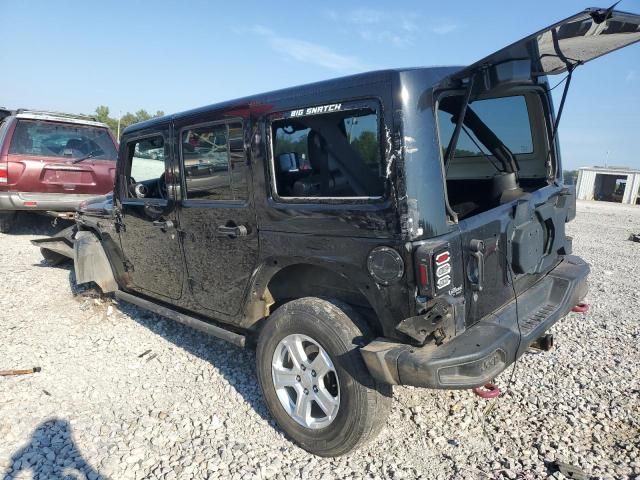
x,y
305,280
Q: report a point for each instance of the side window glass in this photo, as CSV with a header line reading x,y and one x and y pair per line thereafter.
x,y
238,162
329,155
146,172
214,162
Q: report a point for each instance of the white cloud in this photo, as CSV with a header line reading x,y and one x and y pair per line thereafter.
x,y
444,28
365,16
632,76
308,52
382,26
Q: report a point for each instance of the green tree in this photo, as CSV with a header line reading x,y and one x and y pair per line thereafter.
x,y
102,115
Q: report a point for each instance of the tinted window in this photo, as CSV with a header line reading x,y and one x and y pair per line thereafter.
x,y
328,155
506,117
214,163
146,168
51,139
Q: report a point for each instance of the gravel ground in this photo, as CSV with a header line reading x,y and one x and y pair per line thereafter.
x,y
125,394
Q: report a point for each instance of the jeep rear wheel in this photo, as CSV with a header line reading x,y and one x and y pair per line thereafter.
x,y
7,220
314,380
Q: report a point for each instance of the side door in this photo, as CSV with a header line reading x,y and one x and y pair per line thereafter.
x,y
148,224
217,218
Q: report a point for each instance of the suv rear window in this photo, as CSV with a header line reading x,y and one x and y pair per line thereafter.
x,y
51,139
328,155
507,117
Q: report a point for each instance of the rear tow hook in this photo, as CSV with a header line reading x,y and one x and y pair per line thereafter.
x,y
487,391
581,308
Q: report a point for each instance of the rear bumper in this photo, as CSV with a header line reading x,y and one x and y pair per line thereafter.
x,y
484,350
58,202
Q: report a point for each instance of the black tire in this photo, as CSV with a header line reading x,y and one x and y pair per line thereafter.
x,y
7,221
53,258
364,403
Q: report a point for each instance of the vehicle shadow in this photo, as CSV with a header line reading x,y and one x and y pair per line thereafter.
x,y
50,454
34,224
235,364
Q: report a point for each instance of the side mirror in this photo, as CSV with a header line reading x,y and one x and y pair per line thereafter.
x,y
288,162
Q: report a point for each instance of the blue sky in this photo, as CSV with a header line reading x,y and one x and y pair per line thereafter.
x,y
172,56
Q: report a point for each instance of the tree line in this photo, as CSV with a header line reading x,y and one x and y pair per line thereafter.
x,y
102,114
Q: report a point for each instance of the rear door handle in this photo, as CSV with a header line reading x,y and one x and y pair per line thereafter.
x,y
233,231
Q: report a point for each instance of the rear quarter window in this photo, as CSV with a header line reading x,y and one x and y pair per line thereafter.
x,y
329,155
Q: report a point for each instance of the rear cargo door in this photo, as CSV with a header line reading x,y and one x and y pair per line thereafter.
x,y
508,243
564,45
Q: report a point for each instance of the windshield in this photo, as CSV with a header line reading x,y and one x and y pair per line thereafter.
x,y
64,140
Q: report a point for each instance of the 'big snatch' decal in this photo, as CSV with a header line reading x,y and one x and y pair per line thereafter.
x,y
333,107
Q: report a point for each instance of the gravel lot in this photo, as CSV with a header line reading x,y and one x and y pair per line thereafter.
x,y
125,394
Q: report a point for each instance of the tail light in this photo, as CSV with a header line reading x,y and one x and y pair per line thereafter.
x,y
4,173
434,270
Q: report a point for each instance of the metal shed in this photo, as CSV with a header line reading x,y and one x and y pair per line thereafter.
x,y
610,184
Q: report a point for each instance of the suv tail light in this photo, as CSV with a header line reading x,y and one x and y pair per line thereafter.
x,y
4,173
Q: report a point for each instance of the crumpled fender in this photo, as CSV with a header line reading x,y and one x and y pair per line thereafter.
x,y
91,263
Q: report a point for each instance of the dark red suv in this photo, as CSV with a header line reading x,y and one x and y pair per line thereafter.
x,y
51,162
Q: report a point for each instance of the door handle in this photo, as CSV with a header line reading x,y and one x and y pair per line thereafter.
x,y
233,231
164,224
477,250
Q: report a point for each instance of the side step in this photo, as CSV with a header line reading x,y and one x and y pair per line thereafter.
x,y
231,337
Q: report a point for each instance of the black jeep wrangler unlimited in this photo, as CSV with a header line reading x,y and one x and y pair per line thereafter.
x,y
400,227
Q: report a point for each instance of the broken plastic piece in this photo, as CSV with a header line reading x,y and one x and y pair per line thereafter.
x,y
581,308
487,391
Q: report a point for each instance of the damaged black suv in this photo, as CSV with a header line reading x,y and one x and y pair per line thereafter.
x,y
400,227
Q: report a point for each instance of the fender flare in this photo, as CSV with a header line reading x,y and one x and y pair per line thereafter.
x,y
91,263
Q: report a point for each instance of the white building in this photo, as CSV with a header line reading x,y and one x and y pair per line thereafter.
x,y
610,184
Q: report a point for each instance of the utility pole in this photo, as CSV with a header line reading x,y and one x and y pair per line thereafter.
x,y
119,117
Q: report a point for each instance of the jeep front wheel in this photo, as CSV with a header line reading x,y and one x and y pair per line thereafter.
x,y
314,380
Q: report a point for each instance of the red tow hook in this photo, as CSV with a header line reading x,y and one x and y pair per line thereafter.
x,y
581,308
487,391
